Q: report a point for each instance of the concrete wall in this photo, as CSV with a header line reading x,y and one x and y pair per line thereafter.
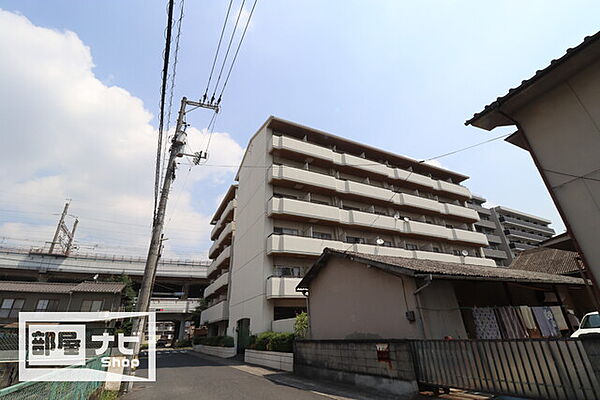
x,y
271,359
563,130
349,301
251,266
217,351
356,363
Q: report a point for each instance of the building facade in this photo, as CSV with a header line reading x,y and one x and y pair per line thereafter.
x,y
508,231
301,190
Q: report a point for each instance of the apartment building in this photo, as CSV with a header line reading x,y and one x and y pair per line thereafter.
x,y
301,190
522,231
508,231
497,249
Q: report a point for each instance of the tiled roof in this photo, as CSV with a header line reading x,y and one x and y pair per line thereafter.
x,y
440,269
551,261
64,288
539,73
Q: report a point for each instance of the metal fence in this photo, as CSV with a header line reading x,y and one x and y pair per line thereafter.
x,y
554,369
54,390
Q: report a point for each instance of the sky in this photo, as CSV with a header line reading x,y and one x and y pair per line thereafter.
x,y
80,84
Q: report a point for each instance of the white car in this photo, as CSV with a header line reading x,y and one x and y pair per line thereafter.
x,y
590,324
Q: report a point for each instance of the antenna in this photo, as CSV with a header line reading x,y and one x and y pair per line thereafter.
x,y
380,241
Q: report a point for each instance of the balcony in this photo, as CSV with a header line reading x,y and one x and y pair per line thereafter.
x,y
219,263
486,224
224,239
521,246
173,305
299,245
226,216
217,312
518,222
289,144
496,254
495,239
480,209
219,283
282,287
525,235
331,214
329,183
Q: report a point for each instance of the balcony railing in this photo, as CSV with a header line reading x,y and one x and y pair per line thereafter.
x,y
330,183
215,313
348,160
493,253
219,263
308,246
224,239
221,223
220,282
173,305
493,238
511,220
282,287
532,236
521,246
371,221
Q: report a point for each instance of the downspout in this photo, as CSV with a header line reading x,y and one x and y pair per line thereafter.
x,y
428,281
557,204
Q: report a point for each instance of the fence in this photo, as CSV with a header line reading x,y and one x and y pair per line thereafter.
x,y
554,369
33,390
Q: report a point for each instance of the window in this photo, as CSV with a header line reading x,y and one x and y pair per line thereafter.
x,y
436,250
322,235
285,231
283,271
319,202
91,305
284,196
354,239
10,308
46,305
350,208
411,246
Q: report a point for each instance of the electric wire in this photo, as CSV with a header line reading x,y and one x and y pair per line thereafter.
x,y
237,51
212,99
163,90
217,50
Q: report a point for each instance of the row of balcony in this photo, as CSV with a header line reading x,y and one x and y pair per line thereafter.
x,y
223,240
219,263
531,225
525,235
225,217
217,284
347,160
215,313
308,246
363,190
361,219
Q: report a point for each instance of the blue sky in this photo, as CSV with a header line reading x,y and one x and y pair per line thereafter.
x,y
403,76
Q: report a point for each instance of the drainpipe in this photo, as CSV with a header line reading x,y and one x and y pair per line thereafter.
x,y
586,264
428,281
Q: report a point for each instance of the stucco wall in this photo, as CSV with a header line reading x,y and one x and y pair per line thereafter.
x,y
563,129
349,300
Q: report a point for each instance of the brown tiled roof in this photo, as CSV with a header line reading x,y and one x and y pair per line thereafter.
x,y
440,269
540,73
50,287
551,261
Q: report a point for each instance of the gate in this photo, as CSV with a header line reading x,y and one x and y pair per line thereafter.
x,y
555,369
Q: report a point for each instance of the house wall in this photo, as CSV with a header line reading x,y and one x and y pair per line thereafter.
x,y
440,311
350,301
563,130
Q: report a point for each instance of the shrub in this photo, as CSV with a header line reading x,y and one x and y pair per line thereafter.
x,y
183,343
263,340
197,340
301,325
283,342
227,341
221,341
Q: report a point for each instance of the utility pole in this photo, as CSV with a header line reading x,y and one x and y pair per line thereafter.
x,y
177,146
59,227
63,237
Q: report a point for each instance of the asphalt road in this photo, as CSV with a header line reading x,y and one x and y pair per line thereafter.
x,y
182,375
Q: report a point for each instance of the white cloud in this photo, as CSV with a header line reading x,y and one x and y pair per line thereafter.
x,y
66,134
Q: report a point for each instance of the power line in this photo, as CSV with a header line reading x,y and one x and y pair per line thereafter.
x,y
163,90
212,99
217,50
237,51
466,148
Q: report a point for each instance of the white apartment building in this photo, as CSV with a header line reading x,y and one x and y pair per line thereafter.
x,y
301,190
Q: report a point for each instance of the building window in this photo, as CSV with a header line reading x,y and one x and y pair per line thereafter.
x,y
322,235
354,239
91,305
284,196
350,208
285,231
319,202
295,272
47,305
10,308
411,246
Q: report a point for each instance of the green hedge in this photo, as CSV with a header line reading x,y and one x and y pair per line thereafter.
x,y
220,341
274,341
